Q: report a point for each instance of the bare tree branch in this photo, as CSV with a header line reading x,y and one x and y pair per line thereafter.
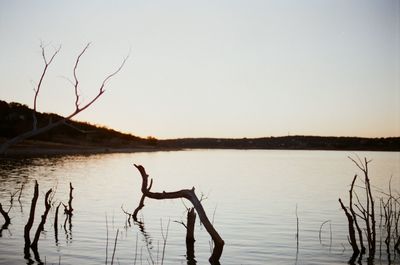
x,y
47,203
39,85
101,90
355,215
76,84
352,233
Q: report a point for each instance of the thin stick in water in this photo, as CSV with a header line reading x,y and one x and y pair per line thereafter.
x,y
115,247
134,262
106,240
297,229
320,230
165,237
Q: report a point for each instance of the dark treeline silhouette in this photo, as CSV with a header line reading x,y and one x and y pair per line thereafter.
x,y
297,142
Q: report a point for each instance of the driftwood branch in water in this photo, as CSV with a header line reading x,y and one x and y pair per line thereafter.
x,y
141,203
189,226
31,218
70,209
56,223
191,219
353,213
5,215
190,195
352,233
47,204
6,218
68,212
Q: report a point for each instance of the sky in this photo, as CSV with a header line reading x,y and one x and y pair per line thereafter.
x,y
211,68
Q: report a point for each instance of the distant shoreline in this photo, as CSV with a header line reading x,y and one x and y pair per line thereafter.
x,y
33,148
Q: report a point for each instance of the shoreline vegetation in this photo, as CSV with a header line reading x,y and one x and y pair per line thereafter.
x,y
74,137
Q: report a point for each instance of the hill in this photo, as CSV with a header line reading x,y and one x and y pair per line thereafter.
x,y
16,118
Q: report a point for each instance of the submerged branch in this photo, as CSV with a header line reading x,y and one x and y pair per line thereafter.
x,y
31,218
5,215
352,234
47,203
190,195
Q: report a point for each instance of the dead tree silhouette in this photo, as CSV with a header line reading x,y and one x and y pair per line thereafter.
x,y
78,108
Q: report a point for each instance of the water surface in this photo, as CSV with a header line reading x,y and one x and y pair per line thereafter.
x,y
251,196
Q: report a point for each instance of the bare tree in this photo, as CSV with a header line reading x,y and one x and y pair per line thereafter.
x,y
78,107
367,211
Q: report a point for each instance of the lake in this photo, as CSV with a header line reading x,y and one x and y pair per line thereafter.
x,y
251,196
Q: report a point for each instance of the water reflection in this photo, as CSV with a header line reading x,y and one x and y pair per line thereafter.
x,y
68,229
146,238
4,227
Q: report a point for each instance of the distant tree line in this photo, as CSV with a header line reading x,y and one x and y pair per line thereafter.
x,y
290,142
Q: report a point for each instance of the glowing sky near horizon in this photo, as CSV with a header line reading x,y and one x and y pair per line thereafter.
x,y
212,68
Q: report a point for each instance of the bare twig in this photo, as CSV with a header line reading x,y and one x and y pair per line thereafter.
x,y
128,214
355,216
115,247
297,230
136,247
165,237
20,192
39,85
56,223
106,240
320,230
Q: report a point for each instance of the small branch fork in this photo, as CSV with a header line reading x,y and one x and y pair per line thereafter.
x,y
6,218
5,213
39,85
190,195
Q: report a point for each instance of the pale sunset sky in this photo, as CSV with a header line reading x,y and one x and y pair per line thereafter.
x,y
212,68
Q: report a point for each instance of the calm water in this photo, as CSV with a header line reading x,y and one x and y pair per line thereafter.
x,y
251,195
